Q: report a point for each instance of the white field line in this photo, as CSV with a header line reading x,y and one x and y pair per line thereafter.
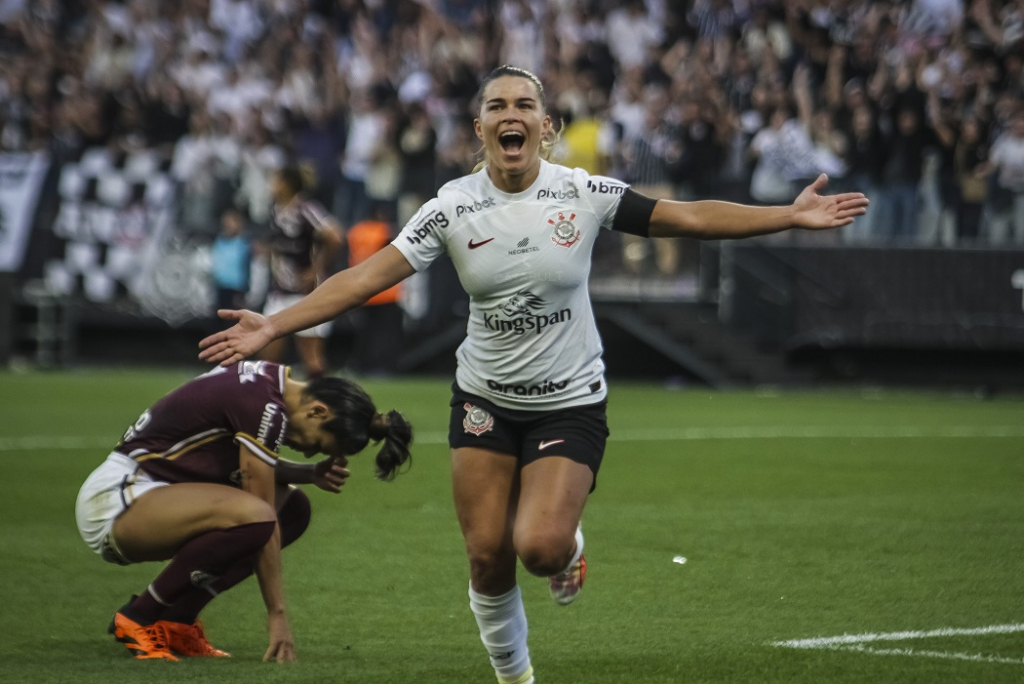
x,y
857,642
975,658
846,639
47,443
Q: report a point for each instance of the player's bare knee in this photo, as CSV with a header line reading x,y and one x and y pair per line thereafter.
x,y
251,510
489,564
544,554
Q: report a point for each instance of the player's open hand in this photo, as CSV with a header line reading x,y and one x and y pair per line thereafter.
x,y
811,210
248,336
330,474
282,646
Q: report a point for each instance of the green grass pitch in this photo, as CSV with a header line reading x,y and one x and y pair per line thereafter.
x,y
800,515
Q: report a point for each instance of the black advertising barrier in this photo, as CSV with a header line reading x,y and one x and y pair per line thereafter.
x,y
876,297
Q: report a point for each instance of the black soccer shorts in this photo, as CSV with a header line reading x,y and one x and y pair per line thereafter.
x,y
578,433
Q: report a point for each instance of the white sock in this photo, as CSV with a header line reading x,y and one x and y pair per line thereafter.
x,y
502,623
579,551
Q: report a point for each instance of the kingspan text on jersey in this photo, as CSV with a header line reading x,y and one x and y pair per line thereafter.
x,y
522,324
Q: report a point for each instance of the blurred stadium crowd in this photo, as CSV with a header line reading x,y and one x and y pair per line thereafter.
x,y
916,103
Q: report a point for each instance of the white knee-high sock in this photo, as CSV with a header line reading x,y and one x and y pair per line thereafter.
x,y
502,623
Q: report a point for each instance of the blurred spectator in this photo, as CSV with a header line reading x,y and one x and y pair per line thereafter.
x,y
417,145
648,157
366,129
864,158
318,143
1007,160
901,175
231,258
378,323
779,150
225,90
260,158
205,163
384,173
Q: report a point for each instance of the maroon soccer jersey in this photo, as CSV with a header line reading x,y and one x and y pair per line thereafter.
x,y
293,236
193,434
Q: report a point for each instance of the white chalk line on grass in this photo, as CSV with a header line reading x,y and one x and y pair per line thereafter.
x,y
844,639
42,443
948,655
857,642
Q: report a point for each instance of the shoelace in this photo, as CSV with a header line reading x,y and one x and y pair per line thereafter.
x,y
157,636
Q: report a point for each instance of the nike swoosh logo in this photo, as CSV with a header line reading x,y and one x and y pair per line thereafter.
x,y
474,245
545,445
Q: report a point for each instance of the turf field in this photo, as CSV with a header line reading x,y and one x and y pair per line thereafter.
x,y
801,517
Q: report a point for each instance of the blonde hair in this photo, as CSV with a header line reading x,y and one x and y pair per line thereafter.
x,y
554,134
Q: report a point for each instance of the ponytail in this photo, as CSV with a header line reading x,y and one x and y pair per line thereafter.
x,y
396,433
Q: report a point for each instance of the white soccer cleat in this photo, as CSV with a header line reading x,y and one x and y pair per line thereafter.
x,y
565,586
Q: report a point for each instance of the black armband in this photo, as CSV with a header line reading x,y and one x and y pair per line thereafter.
x,y
634,214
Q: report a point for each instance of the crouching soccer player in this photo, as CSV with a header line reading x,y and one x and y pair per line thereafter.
x,y
197,480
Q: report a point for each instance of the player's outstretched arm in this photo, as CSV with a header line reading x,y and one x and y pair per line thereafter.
x,y
339,293
713,220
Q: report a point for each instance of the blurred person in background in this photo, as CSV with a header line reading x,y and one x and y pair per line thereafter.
x,y
969,157
417,144
366,129
1006,161
899,200
864,158
649,157
205,164
303,241
384,173
378,323
318,141
261,156
232,256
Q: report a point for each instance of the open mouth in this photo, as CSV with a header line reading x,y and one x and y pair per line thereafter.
x,y
512,141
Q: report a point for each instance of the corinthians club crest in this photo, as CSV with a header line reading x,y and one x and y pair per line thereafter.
x,y
566,234
477,421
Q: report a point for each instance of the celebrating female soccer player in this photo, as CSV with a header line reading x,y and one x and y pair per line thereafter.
x,y
197,480
527,427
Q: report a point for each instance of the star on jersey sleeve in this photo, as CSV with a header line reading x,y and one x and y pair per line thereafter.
x,y
424,236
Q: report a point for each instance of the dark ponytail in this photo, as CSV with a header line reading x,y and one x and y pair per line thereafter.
x,y
396,432
356,422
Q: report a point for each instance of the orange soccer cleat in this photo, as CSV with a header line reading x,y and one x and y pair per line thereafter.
x,y
190,640
145,642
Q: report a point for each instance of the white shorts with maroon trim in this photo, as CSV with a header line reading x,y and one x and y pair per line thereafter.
x,y
277,302
106,494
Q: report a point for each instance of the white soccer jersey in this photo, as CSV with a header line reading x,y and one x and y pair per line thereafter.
x,y
524,259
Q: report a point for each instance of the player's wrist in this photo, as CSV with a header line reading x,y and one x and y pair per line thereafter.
x,y
272,328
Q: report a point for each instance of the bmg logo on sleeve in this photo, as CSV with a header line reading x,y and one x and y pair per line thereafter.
x,y
603,188
426,226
